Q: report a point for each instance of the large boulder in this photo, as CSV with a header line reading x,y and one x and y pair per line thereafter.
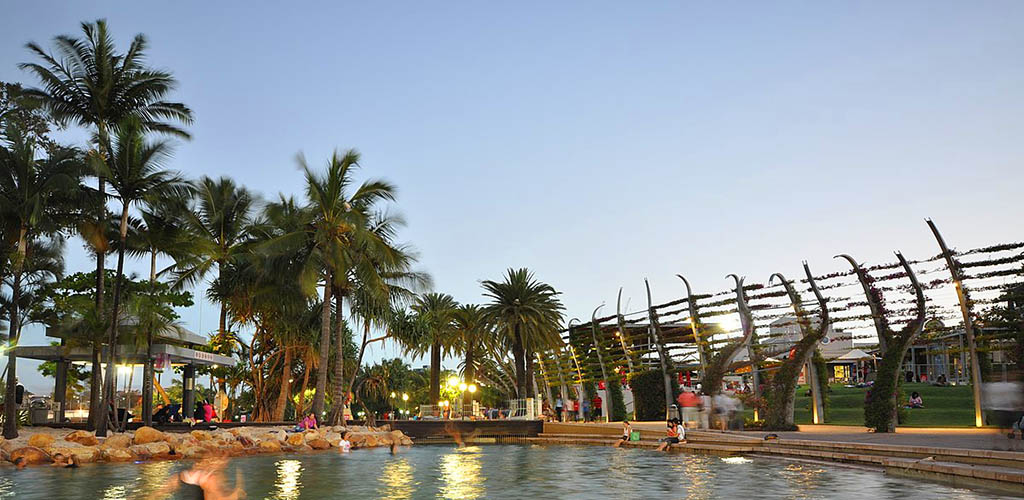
x,y
334,438
406,441
276,435
370,441
117,454
270,446
318,443
189,450
41,440
145,435
340,429
32,455
156,449
120,441
296,440
84,438
201,435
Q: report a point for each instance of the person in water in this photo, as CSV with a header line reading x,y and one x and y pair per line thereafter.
x,y
626,430
60,460
204,481
345,445
672,435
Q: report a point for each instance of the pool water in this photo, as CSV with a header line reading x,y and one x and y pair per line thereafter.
x,y
490,471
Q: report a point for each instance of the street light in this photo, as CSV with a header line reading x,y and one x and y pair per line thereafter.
x,y
472,388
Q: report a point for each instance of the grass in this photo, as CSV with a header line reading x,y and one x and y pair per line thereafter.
x,y
943,406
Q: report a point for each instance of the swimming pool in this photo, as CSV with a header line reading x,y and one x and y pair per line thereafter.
x,y
491,471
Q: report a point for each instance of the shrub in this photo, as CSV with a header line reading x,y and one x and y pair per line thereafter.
x,y
649,394
617,410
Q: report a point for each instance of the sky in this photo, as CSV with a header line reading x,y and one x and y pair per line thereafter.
x,y
600,143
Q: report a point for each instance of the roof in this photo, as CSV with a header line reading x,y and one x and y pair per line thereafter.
x,y
855,355
172,334
125,354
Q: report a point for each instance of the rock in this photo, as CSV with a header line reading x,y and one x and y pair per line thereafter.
x,y
333,438
41,440
276,435
319,443
340,429
311,434
295,440
406,441
85,454
358,439
145,435
117,454
32,455
84,438
120,441
191,451
201,435
270,446
157,449
370,441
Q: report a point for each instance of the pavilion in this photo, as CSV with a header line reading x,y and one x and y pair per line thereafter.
x,y
174,346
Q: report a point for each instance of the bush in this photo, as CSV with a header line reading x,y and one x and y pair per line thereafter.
x,y
617,410
649,394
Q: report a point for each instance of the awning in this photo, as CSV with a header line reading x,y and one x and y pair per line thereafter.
x,y
125,354
854,355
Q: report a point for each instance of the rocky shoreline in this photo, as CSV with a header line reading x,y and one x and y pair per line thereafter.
x,y
39,446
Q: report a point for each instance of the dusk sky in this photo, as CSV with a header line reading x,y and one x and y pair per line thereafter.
x,y
599,143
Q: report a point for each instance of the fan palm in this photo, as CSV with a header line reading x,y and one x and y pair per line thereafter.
x,y
527,313
437,311
31,190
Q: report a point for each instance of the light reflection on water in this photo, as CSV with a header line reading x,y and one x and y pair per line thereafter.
x,y
462,475
499,471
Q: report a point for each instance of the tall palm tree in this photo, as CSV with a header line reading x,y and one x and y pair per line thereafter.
x,y
135,171
337,217
437,311
474,338
528,314
157,232
31,190
87,82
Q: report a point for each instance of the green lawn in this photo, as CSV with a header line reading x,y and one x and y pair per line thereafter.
x,y
943,406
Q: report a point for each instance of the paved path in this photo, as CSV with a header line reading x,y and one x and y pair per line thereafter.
x,y
972,438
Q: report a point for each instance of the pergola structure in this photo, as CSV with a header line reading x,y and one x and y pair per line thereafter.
x,y
174,345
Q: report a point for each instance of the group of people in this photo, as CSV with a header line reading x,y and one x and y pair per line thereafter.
x,y
204,412
573,410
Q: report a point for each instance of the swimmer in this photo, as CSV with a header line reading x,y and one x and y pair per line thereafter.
x,y
203,481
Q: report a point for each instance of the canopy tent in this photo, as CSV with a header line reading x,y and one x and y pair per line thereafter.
x,y
855,355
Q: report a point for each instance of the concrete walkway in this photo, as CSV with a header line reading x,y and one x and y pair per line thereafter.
x,y
969,438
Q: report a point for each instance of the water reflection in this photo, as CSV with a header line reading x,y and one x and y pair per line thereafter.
x,y
397,480
115,492
460,471
288,485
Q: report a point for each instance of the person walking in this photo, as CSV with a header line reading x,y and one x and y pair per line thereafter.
x,y
558,408
586,410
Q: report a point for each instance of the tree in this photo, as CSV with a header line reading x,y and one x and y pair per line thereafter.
x,y
527,313
437,311
135,172
90,84
474,338
31,191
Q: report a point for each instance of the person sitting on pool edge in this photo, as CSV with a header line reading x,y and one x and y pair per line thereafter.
x,y
626,430
673,435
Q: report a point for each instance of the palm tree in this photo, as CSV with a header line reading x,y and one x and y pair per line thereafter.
x,y
135,171
528,314
437,311
156,233
336,219
90,84
474,338
31,190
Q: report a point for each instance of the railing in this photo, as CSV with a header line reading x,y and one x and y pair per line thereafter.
x,y
524,409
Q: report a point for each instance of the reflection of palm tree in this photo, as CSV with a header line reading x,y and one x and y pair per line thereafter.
x,y
527,313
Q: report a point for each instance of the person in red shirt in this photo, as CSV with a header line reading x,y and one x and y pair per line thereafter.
x,y
597,405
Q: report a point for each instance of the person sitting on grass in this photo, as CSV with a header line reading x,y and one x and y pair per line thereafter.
x,y
672,435
626,430
915,400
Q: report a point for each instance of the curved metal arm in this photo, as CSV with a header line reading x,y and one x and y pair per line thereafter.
x,y
877,314
622,331
695,323
918,291
597,345
794,296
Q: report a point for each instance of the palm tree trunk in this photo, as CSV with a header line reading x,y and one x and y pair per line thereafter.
x,y
286,389
531,383
300,407
95,386
147,367
112,357
359,362
469,370
518,355
435,372
325,347
341,390
95,389
10,406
